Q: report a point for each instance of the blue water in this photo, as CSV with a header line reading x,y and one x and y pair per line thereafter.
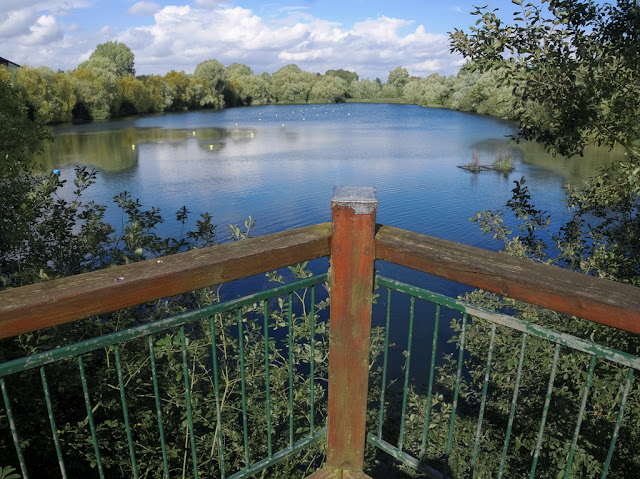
x,y
243,161
279,164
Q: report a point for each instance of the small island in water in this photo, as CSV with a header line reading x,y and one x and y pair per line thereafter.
x,y
501,163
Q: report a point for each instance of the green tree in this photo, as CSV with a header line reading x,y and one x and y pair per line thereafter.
x,y
398,77
331,89
112,57
248,87
292,85
573,69
155,87
180,93
42,235
136,97
47,95
436,91
214,73
346,75
414,90
575,61
97,96
364,89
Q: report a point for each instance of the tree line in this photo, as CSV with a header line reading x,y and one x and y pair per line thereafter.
x,y
105,86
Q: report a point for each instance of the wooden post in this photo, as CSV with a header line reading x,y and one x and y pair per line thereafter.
x,y
352,274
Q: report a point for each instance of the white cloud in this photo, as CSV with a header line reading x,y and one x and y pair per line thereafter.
x,y
17,22
183,36
209,3
180,36
143,8
44,31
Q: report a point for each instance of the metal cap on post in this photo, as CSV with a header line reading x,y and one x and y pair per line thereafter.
x,y
352,274
362,199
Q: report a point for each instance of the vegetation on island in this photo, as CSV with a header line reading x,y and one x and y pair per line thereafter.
x,y
565,71
502,163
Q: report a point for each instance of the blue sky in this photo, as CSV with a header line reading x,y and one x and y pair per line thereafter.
x,y
369,37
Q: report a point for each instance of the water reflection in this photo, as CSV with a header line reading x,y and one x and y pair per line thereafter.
x,y
279,164
573,170
118,149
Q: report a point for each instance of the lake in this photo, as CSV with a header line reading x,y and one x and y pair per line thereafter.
x,y
279,164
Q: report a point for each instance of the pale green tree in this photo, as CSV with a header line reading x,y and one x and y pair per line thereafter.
x,y
397,79
237,77
113,57
214,73
364,89
329,89
436,91
414,90
292,85
97,96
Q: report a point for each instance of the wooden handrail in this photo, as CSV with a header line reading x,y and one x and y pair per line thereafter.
x,y
589,297
64,300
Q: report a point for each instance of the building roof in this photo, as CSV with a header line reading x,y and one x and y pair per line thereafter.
x,y
4,61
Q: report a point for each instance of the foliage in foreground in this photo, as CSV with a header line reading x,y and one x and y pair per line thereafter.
x,y
572,70
45,235
103,385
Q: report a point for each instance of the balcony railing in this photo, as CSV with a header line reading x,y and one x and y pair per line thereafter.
x,y
233,388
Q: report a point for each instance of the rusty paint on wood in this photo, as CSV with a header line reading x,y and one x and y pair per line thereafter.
x,y
352,272
63,300
606,302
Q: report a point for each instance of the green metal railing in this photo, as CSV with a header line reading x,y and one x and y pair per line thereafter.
x,y
231,389
461,431
177,347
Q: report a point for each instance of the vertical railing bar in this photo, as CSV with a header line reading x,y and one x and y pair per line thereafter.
x,y
514,401
583,405
545,410
243,390
52,423
92,427
616,430
483,402
266,378
384,363
214,357
14,430
156,393
290,369
407,366
312,341
125,413
187,394
457,389
432,367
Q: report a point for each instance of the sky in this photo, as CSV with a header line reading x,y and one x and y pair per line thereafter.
x,y
370,37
